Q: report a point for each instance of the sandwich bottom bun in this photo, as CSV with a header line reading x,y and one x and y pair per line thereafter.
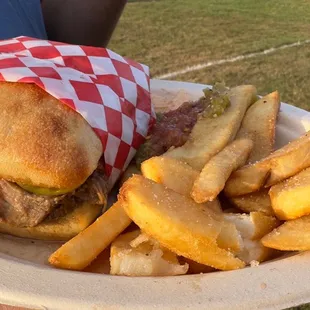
x,y
60,229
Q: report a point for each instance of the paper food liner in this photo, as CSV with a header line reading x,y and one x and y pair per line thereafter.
x,y
111,92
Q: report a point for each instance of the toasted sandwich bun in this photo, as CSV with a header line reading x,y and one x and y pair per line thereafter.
x,y
43,142
58,229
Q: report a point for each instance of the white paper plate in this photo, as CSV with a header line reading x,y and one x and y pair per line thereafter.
x,y
26,280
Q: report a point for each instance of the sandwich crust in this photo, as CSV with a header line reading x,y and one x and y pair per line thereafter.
x,y
42,141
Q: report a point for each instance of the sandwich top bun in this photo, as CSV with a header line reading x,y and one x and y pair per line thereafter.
x,y
43,142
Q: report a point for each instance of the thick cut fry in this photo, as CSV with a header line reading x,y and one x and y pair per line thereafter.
x,y
170,172
257,201
252,226
211,135
129,172
230,238
215,173
290,199
81,250
134,254
175,175
177,222
281,164
259,124
246,180
254,250
291,236
214,205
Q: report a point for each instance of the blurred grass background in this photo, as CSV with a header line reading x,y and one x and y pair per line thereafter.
x,y
169,35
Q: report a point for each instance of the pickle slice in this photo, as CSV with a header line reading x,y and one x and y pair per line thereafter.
x,y
44,191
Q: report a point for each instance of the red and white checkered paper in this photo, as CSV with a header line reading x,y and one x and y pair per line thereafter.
x,y
111,92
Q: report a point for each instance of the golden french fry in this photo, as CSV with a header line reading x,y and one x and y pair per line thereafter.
x,y
129,172
135,254
259,124
252,226
211,135
257,201
175,175
255,251
281,164
214,205
170,172
81,250
290,198
177,222
246,180
215,173
230,238
293,235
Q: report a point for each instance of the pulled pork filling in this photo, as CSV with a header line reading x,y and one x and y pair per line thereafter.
x,y
21,208
171,129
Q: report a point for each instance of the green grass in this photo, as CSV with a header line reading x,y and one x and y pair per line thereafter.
x,y
303,307
169,35
288,71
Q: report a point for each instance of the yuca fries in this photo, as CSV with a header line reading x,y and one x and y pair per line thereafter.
x,y
291,236
170,172
281,164
135,254
255,251
81,250
175,175
257,201
290,199
179,177
177,222
180,235
215,173
259,124
246,180
252,226
211,135
229,238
